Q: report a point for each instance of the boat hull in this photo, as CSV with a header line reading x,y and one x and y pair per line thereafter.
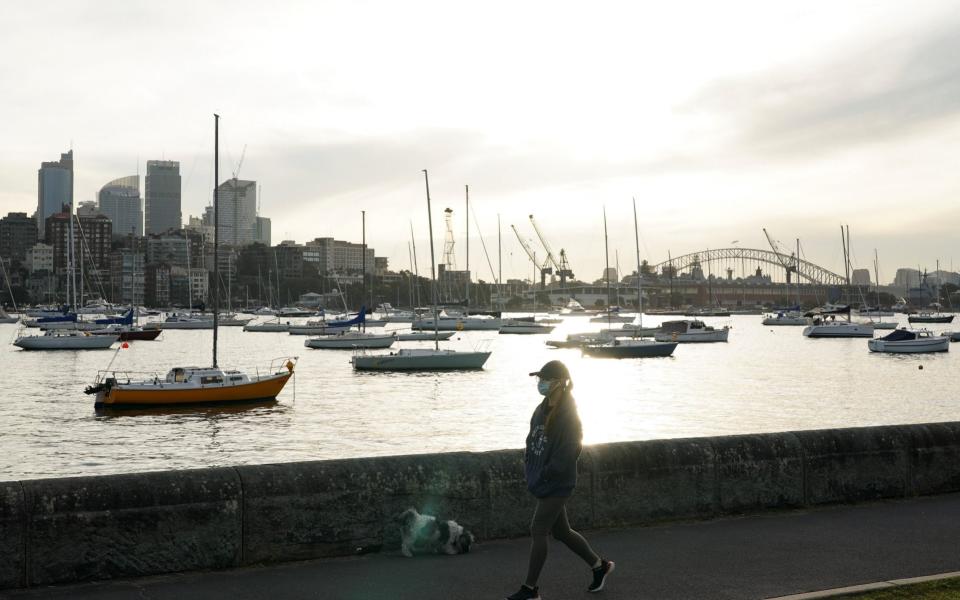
x,y
526,329
415,361
349,343
459,324
935,344
834,331
85,342
424,336
161,394
717,335
627,350
930,319
785,321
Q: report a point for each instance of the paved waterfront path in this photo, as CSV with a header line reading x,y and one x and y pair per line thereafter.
x,y
750,557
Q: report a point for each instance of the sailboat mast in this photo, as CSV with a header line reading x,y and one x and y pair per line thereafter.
x,y
499,262
216,234
798,274
606,270
363,262
636,239
433,268
416,268
467,187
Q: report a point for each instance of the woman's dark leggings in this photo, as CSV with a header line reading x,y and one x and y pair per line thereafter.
x,y
551,517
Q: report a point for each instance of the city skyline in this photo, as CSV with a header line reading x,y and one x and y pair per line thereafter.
x,y
846,117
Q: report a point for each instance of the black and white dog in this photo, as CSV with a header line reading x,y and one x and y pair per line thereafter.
x,y
424,534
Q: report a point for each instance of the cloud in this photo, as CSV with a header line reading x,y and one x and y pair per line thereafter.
x,y
888,88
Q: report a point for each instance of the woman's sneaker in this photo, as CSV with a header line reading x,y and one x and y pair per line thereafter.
x,y
600,575
526,593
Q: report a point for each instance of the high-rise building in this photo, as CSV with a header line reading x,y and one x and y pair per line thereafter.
x,y
262,234
860,277
18,233
330,255
162,196
54,188
237,212
120,201
906,278
91,235
289,259
156,285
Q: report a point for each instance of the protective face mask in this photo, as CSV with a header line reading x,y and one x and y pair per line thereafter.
x,y
544,386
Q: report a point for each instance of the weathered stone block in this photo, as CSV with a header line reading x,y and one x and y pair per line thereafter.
x,y
13,532
640,482
87,528
935,458
328,508
856,464
759,471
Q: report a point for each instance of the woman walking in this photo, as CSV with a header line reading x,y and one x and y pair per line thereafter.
x,y
550,459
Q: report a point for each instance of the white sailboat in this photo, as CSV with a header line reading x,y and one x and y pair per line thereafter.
x,y
823,328
349,340
636,347
417,359
65,340
690,330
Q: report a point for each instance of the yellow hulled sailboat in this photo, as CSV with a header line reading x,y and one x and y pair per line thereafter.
x,y
184,386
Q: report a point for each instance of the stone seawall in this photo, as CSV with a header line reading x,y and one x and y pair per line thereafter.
x,y
55,531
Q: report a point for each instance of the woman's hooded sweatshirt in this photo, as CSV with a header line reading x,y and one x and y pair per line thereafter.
x,y
551,453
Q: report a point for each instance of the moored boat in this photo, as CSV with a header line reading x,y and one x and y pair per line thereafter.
x,y
191,386
349,340
928,317
420,359
690,331
629,349
65,340
525,328
911,341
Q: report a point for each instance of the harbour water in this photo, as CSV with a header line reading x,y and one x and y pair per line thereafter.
x,y
764,379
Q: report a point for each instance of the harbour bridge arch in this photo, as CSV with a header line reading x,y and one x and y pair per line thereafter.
x,y
740,257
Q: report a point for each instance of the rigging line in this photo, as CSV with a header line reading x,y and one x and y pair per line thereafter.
x,y
476,224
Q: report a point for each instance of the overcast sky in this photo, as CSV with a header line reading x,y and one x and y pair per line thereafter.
x,y
720,118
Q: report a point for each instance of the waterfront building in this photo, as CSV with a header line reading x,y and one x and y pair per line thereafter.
x,y
237,202
381,264
162,196
87,208
176,248
127,278
120,201
906,278
289,259
197,225
54,189
335,256
18,233
92,237
39,258
262,235
156,285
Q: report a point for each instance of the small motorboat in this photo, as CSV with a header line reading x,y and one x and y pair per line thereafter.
x,y
690,331
5,318
910,341
620,348
576,340
786,318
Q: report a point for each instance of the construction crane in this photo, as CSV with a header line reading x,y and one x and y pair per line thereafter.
x,y
791,265
563,267
544,269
